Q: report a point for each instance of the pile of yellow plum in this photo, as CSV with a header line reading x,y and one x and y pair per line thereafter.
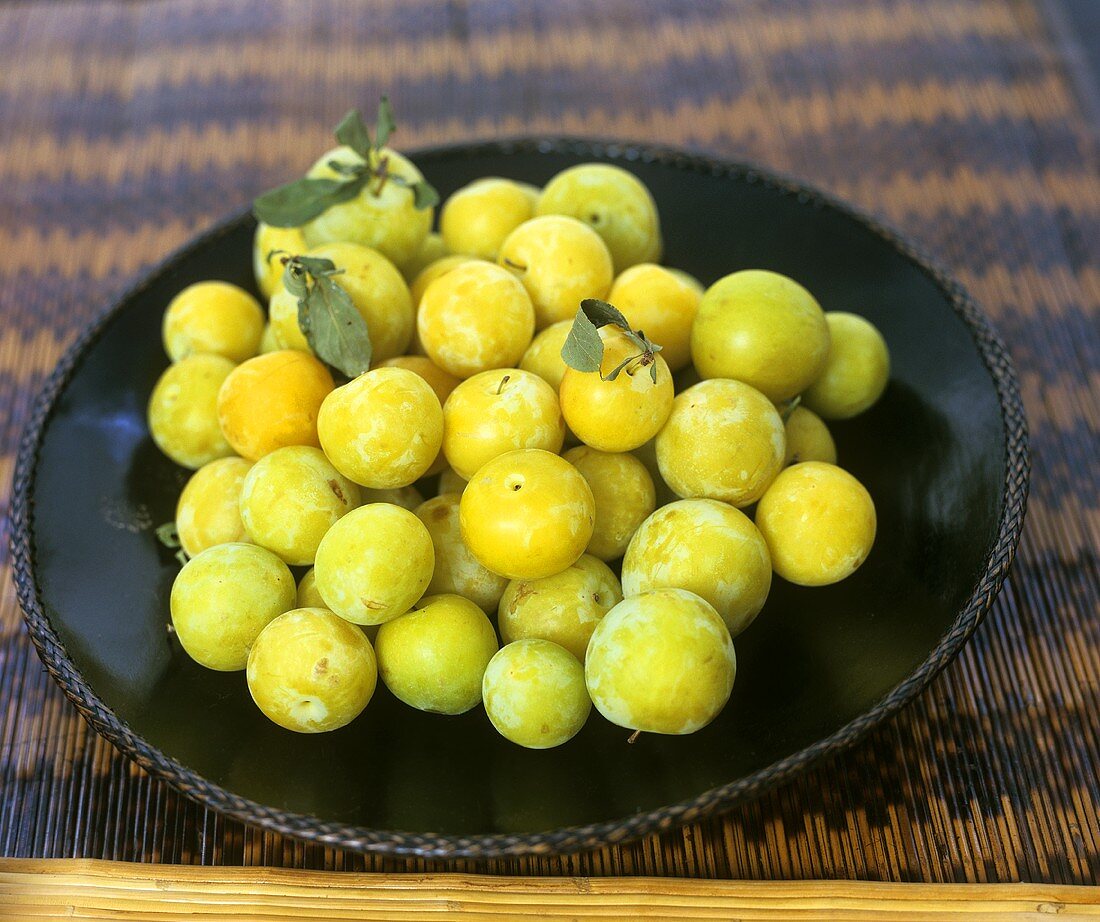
x,y
526,465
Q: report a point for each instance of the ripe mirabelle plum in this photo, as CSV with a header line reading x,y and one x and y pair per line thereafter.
x,y
808,438
382,216
661,662
706,547
442,382
688,279
476,317
431,272
624,495
855,372
269,246
622,414
430,250
564,607
535,695
527,514
382,429
434,657
498,411
374,563
272,401
375,288
762,328
723,440
213,317
291,498
183,410
614,203
222,599
662,305
819,523
560,262
457,571
477,218
310,671
543,356
208,511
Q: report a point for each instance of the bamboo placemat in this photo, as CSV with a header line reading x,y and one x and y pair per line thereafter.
x,y
126,127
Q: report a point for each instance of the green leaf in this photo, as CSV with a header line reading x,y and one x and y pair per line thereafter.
x,y
303,200
353,133
334,329
601,314
424,195
168,535
385,126
583,348
653,370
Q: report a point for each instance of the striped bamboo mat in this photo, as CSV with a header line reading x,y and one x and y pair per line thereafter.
x,y
125,127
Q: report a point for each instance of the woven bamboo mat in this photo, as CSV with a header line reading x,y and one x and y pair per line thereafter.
x,y
126,127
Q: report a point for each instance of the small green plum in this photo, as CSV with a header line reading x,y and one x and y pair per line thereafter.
x,y
222,599
457,571
808,438
564,607
374,563
310,671
291,498
535,695
434,657
661,662
308,596
430,250
624,493
706,547
183,410
761,328
543,356
614,203
405,497
856,371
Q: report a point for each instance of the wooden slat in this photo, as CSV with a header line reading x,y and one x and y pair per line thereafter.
x,y
125,126
44,889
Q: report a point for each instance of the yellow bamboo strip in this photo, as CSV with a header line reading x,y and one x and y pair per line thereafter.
x,y
84,889
391,61
43,155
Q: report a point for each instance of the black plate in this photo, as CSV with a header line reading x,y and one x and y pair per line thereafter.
x,y
944,454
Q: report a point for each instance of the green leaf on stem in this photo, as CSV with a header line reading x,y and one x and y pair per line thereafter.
x,y
302,200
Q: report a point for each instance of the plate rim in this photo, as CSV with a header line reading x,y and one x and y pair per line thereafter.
x,y
995,358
